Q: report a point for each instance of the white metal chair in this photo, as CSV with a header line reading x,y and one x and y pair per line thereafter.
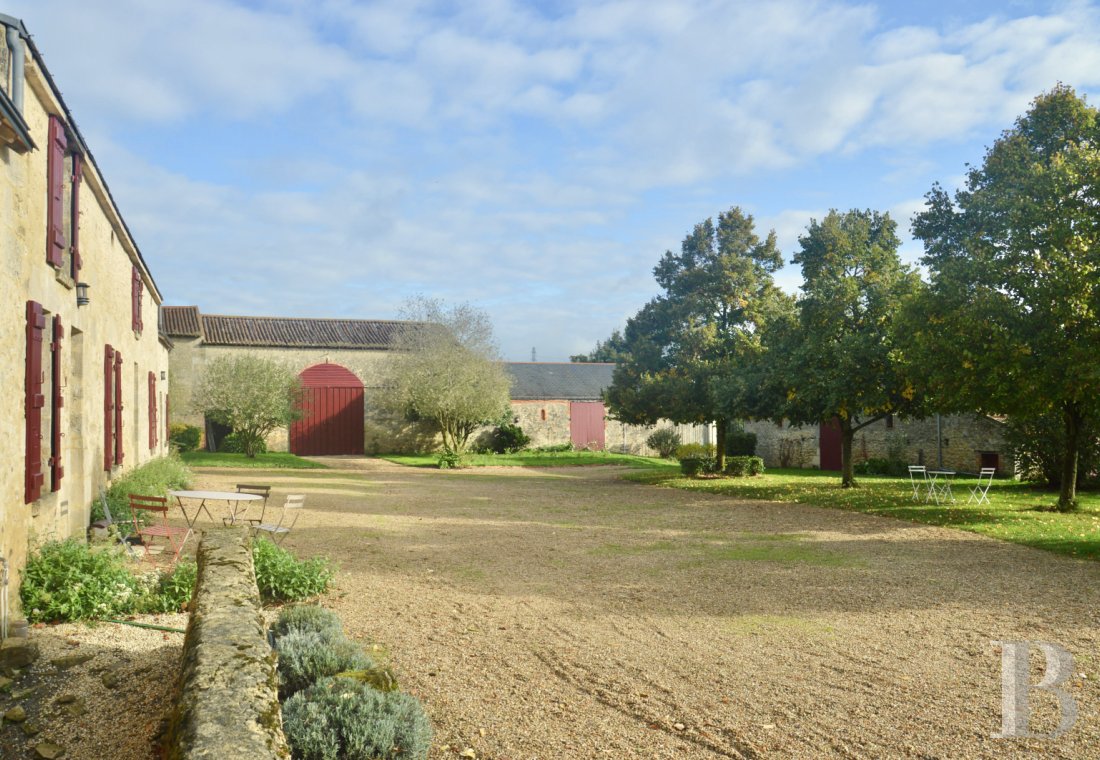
x,y
288,516
980,492
918,478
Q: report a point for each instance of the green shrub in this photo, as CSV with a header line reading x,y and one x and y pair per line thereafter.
x,y
154,478
881,466
554,448
341,719
305,657
744,465
172,590
306,617
449,460
281,577
67,580
696,458
184,437
664,441
508,438
740,443
237,443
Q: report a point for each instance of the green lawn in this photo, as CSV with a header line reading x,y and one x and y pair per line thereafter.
x,y
1017,512
279,460
537,459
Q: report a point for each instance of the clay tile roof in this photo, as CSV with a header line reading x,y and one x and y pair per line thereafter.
x,y
544,381
180,321
219,330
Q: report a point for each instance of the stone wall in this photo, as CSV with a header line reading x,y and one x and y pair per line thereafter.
x,y
109,256
227,707
962,440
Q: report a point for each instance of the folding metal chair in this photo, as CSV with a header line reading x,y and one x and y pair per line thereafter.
x,y
264,491
920,482
109,520
980,492
157,534
288,517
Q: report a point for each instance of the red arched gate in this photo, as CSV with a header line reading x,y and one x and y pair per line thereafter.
x,y
332,402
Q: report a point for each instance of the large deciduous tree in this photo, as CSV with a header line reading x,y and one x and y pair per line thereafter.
x,y
611,350
688,350
446,370
1014,262
250,394
839,360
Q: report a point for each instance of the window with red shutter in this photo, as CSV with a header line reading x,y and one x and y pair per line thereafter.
x,y
74,229
136,288
55,188
118,407
152,411
33,402
56,470
108,408
167,419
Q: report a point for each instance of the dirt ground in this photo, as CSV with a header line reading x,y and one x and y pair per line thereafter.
x,y
568,614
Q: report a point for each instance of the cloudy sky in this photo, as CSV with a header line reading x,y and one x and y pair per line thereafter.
x,y
333,157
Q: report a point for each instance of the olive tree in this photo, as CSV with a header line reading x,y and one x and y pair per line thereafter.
x,y
446,370
250,394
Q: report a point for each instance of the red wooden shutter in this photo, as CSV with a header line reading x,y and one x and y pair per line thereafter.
x,y
74,234
167,418
55,189
108,409
118,407
56,470
136,288
33,403
152,411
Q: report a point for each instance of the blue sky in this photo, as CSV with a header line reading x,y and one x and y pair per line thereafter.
x,y
333,157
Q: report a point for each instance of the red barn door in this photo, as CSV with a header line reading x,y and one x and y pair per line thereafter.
x,y
829,445
586,426
332,402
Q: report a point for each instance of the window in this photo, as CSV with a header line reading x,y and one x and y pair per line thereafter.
x,y
74,215
543,411
889,422
33,403
136,288
118,407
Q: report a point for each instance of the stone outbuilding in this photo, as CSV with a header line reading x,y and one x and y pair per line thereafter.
x,y
80,351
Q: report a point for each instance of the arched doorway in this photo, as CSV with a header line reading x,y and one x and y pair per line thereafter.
x,y
332,400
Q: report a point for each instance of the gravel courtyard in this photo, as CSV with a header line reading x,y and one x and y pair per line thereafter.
x,y
568,614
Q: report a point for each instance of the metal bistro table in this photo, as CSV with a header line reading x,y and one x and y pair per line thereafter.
x,y
939,485
232,499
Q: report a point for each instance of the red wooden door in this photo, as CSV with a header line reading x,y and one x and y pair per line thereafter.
x,y
828,443
586,425
332,405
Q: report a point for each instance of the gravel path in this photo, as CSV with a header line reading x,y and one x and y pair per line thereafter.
x,y
567,613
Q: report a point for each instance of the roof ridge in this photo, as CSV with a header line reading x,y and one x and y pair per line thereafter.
x,y
311,319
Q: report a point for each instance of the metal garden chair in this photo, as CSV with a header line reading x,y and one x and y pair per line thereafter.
x,y
918,478
980,492
258,490
288,517
157,533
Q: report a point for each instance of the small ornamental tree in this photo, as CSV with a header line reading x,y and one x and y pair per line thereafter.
x,y
446,371
250,394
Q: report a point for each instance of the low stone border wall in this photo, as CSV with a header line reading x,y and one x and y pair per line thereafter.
x,y
228,698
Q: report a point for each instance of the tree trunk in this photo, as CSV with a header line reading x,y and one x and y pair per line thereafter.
x,y
847,435
1067,497
720,427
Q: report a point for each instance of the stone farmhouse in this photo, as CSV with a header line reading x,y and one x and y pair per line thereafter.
x,y
79,345
339,362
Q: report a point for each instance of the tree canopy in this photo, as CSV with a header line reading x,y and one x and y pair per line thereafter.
x,y
839,360
1014,262
446,370
251,394
612,350
688,351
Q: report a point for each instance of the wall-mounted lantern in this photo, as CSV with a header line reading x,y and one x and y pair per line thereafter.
x,y
82,298
163,375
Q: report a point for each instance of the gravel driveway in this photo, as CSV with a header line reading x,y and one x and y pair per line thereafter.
x,y
566,613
